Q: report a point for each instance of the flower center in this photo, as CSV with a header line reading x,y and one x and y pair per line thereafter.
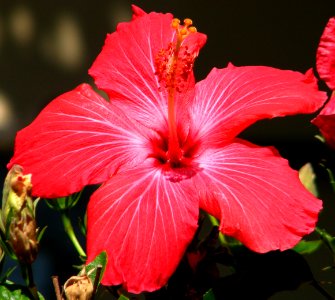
x,y
173,66
189,149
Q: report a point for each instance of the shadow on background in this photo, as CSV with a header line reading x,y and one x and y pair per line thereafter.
x,y
46,48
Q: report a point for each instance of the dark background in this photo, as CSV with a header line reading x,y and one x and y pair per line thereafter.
x,y
46,48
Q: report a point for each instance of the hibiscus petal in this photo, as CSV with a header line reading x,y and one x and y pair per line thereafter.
x,y
257,197
144,221
125,69
325,121
137,12
325,55
78,139
231,99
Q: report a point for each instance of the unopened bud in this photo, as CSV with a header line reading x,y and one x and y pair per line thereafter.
x,y
16,191
78,288
23,238
18,215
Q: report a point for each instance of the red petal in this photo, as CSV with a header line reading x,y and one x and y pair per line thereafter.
x,y
257,197
144,221
231,99
326,122
137,12
325,55
78,139
125,68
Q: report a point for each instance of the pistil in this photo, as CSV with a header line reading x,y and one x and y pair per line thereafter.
x,y
173,67
174,151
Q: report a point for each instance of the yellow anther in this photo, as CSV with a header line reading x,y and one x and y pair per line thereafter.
x,y
183,31
188,22
175,23
192,29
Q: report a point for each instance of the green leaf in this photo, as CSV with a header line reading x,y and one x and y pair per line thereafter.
x,y
5,276
307,178
123,297
64,203
15,292
327,238
7,248
331,176
307,247
8,222
331,179
35,203
209,295
40,233
99,262
320,138
83,224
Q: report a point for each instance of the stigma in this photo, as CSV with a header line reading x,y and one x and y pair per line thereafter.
x,y
175,63
183,30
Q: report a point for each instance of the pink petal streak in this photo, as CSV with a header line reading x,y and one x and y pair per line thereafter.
x,y
78,139
231,99
125,69
144,221
257,197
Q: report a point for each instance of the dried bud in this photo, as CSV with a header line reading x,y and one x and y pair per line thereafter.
x,y
78,288
23,238
18,215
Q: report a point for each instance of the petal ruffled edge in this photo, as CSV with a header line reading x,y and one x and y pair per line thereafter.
x,y
325,121
126,67
257,197
144,222
325,55
137,12
78,139
231,99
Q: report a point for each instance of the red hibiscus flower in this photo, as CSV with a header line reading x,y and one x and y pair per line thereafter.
x,y
325,64
325,121
163,147
325,55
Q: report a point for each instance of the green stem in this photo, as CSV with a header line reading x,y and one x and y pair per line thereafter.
x,y
27,274
321,290
215,222
327,238
70,232
330,176
331,179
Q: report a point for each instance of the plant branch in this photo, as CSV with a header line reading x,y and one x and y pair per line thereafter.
x,y
70,232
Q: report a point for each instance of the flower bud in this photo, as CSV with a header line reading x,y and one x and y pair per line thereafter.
x,y
18,215
78,288
16,190
23,237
